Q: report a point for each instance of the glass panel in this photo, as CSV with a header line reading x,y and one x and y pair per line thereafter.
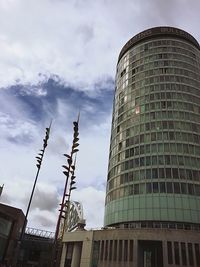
x,y
169,187
162,187
148,188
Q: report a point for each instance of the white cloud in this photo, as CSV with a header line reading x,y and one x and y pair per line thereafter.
x,y
77,40
95,200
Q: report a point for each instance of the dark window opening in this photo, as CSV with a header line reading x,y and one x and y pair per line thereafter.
x,y
183,253
176,253
169,253
190,253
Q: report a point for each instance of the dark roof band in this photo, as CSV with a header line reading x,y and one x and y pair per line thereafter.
x,y
158,32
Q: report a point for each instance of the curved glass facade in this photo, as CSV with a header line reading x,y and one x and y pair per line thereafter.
x,y
154,161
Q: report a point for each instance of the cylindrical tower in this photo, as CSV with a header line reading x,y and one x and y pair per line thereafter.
x,y
154,162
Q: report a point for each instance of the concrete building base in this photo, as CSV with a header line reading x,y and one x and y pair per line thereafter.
x,y
131,248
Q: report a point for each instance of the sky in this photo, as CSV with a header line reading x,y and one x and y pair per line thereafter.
x,y
58,57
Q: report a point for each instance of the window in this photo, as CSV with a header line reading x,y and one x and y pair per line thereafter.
x,y
167,160
148,161
197,254
161,160
115,250
142,188
148,188
183,253
136,189
131,250
120,250
154,173
190,254
176,253
125,250
191,189
197,190
169,187
168,173
169,253
183,188
175,173
182,174
102,250
148,174
106,250
147,148
110,249
161,173
155,187
176,188
162,187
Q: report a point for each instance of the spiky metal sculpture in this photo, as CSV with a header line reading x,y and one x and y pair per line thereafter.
x,y
69,170
39,158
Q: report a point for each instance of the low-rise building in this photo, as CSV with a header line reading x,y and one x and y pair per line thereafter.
x,y
11,222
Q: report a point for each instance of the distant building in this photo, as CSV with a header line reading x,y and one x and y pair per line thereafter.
x,y
11,222
1,189
152,210
36,248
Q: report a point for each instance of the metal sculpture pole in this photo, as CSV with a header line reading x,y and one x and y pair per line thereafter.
x,y
39,163
69,173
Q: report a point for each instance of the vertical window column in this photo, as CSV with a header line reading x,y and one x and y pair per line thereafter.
x,y
120,250
131,244
183,254
102,250
197,254
115,250
111,250
176,253
106,250
190,254
169,252
125,250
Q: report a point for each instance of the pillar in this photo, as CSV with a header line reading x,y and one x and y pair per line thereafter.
x,y
63,255
135,253
165,254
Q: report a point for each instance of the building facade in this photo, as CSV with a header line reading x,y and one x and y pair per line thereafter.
x,y
154,170
36,248
153,184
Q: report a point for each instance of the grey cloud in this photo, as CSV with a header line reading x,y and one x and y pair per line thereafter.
x,y
86,32
162,11
45,200
82,41
44,221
